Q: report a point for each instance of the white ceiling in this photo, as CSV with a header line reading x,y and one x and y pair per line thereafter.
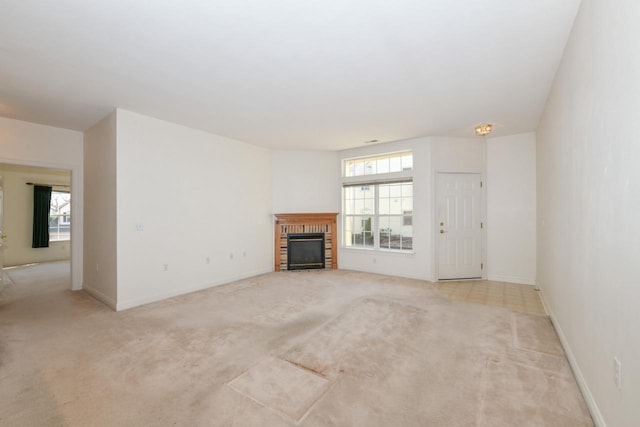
x,y
287,74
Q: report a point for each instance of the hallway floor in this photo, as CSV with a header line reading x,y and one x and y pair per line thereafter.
x,y
516,297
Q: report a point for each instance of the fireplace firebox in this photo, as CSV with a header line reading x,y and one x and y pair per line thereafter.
x,y
305,251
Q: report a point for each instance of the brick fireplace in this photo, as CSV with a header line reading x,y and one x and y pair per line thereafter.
x,y
324,224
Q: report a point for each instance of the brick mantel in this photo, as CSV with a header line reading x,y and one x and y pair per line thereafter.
x,y
286,223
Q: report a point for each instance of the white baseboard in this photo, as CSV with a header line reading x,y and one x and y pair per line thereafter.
x,y
511,279
100,296
596,415
124,305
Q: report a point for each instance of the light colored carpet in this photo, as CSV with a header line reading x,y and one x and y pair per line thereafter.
x,y
325,348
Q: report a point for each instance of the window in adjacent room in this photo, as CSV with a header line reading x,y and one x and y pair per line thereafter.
x,y
60,216
378,202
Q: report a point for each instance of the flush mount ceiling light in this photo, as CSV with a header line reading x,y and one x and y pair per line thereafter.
x,y
485,129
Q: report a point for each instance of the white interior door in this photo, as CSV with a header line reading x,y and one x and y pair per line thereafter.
x,y
459,227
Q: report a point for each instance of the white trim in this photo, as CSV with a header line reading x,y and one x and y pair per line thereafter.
x,y
596,415
77,193
382,154
381,178
100,296
511,279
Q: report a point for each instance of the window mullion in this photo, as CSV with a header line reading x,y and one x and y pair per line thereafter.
x,y
374,226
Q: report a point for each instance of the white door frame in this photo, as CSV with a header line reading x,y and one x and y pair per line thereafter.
x,y
436,226
76,211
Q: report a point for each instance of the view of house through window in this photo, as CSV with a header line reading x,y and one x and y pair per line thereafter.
x,y
60,216
379,214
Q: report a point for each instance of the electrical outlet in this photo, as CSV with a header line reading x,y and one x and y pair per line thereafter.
x,y
617,372
166,267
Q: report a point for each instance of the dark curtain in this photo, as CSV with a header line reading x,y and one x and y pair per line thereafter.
x,y
41,206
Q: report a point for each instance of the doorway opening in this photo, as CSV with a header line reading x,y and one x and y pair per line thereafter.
x,y
17,246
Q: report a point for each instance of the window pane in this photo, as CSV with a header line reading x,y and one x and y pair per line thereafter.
x,y
370,167
395,206
349,208
348,168
407,190
60,216
407,237
383,206
347,193
362,234
348,231
364,192
395,165
395,190
395,232
382,165
369,206
407,162
359,192
384,232
407,204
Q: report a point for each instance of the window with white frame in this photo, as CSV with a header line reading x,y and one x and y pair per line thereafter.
x,y
378,165
378,202
60,216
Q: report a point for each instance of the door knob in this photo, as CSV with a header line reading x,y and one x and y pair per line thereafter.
x,y
442,231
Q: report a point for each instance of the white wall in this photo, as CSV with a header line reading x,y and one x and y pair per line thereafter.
x,y
30,144
196,196
18,215
511,208
306,181
588,154
458,155
100,263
